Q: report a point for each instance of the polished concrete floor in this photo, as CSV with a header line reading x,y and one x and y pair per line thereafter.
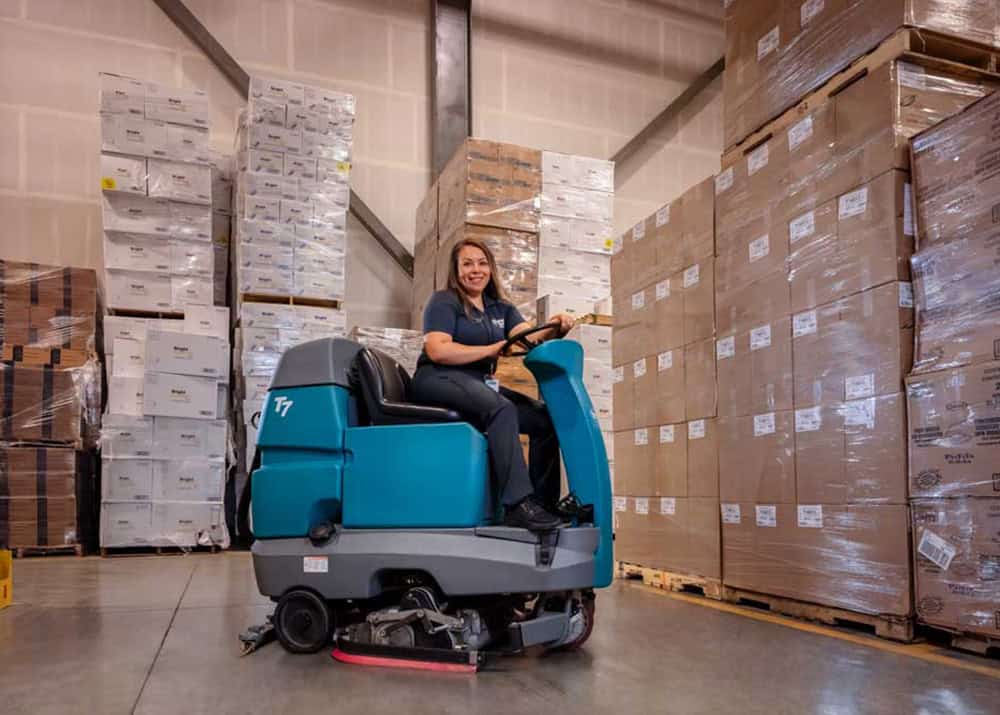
x,y
158,635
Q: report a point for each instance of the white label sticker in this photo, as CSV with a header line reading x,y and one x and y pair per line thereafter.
x,y
315,564
730,513
621,504
696,429
760,337
759,248
639,231
802,227
809,419
663,289
642,505
809,10
858,386
639,300
639,367
691,276
768,43
853,203
860,413
911,75
665,361
725,348
618,374
908,210
668,506
757,159
804,324
810,516
641,437
666,434
724,181
763,424
663,216
936,549
767,515
800,132
905,295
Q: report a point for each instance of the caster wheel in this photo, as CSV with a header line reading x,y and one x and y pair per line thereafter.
x,y
589,607
302,622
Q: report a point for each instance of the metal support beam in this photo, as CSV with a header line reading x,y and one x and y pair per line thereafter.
x,y
670,111
185,20
451,97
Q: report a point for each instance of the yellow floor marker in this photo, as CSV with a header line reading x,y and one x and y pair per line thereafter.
x,y
6,578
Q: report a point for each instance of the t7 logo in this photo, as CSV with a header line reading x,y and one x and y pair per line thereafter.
x,y
282,405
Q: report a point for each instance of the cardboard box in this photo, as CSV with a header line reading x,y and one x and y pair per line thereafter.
x,y
41,403
671,477
762,302
635,460
37,472
755,370
126,524
757,458
703,458
699,380
955,557
126,479
186,354
646,382
672,533
954,432
126,436
668,312
187,480
30,522
623,391
698,284
183,396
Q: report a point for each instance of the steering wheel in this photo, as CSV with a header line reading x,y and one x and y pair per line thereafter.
x,y
521,340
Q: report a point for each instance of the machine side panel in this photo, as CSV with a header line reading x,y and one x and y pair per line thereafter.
x,y
416,476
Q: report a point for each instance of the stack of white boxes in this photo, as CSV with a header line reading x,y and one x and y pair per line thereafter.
x,y
266,331
598,377
293,153
403,346
164,438
223,169
575,233
157,190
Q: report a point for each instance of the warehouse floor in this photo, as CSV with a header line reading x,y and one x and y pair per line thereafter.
x,y
158,635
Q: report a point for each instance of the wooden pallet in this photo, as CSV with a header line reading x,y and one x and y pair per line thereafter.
x,y
923,47
290,300
670,581
890,627
977,643
21,552
119,551
595,319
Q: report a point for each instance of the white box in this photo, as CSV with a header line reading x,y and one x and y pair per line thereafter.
x,y
126,479
190,144
188,524
302,118
180,106
323,146
134,290
255,389
264,315
190,222
556,232
593,174
136,252
259,208
262,162
557,169
260,364
129,358
296,213
301,167
128,213
185,438
169,395
207,320
603,306
549,305
266,111
596,342
125,134
126,174
263,256
603,409
272,138
176,181
185,354
122,95
313,260
276,90
598,377
595,206
118,326
571,292
270,186
261,339
126,524
272,282
125,396
187,480
329,237
194,258
574,265
311,316
191,290
593,236
125,436
329,102
319,285
272,234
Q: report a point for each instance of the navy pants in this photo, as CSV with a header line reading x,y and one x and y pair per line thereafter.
x,y
502,416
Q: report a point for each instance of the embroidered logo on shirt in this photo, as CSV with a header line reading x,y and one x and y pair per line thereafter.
x,y
498,322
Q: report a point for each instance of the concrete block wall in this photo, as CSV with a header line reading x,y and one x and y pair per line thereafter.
x,y
580,76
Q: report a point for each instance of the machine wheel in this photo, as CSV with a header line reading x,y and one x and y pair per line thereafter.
x,y
589,607
302,622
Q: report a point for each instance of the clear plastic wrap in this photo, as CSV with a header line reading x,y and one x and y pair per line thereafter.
x,y
954,432
38,497
677,534
855,557
957,557
779,51
43,404
403,346
675,460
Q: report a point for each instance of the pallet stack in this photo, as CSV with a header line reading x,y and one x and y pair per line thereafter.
x,y
954,390
50,403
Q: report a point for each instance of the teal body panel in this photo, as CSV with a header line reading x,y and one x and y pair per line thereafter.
x,y
416,476
558,367
302,446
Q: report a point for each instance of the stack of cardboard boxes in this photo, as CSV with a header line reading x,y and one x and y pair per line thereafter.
x,y
50,398
954,391
665,395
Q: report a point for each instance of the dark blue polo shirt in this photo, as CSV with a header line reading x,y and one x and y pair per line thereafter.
x,y
446,314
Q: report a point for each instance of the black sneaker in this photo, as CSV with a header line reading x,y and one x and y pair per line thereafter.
x,y
530,514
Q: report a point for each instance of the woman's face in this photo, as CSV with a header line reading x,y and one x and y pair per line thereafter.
x,y
473,270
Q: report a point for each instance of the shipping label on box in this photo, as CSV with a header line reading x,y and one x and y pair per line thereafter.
x,y
123,173
126,479
186,354
126,524
170,395
187,480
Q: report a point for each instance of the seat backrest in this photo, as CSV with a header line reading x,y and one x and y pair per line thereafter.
x,y
379,379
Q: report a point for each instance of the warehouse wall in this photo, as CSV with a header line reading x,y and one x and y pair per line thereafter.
x,y
572,75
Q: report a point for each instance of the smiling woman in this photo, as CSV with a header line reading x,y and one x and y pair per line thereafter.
x,y
465,328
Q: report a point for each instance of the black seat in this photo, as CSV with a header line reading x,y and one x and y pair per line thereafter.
x,y
384,389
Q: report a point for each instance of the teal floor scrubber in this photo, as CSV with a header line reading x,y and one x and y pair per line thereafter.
x,y
376,528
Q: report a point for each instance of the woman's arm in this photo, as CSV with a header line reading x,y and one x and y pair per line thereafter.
x,y
565,321
442,349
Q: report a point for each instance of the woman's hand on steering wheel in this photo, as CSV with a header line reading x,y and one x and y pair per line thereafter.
x,y
521,339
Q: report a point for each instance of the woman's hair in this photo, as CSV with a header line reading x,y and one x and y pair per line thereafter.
x,y
494,288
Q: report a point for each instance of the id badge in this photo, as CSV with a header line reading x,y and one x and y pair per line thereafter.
x,y
492,383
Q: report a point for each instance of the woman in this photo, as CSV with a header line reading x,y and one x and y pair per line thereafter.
x,y
465,327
